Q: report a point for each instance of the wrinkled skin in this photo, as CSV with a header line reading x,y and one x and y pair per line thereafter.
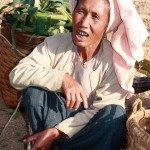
x,y
90,20
73,92
43,139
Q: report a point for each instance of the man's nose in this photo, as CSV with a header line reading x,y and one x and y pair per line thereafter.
x,y
85,22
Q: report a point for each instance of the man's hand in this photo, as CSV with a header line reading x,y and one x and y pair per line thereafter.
x,y
44,139
73,92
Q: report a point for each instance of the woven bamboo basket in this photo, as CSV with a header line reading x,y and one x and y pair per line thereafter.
x,y
25,43
138,127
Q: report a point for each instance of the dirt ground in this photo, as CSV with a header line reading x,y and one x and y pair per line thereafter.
x,y
11,139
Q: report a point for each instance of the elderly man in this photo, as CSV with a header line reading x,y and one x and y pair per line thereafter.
x,y
72,94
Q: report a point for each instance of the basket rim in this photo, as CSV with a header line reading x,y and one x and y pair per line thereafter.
x,y
7,24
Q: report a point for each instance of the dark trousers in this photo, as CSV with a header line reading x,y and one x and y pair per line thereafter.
x,y
105,131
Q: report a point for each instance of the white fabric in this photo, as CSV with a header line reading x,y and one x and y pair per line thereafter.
x,y
129,33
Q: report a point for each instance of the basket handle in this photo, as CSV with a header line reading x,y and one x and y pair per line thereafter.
x,y
137,105
8,9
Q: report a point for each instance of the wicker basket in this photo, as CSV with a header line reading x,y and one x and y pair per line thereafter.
x,y
9,60
138,126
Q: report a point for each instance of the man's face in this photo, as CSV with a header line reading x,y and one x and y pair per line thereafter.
x,y
90,19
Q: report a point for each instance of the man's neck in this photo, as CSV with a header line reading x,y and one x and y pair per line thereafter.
x,y
87,53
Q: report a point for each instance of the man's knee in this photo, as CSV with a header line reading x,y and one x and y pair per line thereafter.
x,y
118,112
114,111
36,96
32,96
119,116
114,116
117,123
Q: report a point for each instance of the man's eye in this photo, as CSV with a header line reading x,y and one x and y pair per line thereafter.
x,y
80,11
95,17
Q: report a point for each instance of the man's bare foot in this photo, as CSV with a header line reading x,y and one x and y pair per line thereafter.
x,y
44,139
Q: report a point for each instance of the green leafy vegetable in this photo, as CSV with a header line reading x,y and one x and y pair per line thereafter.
x,y
37,17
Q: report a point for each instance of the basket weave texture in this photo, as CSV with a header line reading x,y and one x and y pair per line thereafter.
x,y
138,126
8,60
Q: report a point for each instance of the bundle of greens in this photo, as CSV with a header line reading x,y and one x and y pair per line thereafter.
x,y
38,17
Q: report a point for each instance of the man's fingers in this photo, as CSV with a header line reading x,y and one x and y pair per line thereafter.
x,y
30,138
71,88
84,100
68,98
74,98
72,101
78,102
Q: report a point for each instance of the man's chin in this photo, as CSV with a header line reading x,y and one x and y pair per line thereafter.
x,y
80,44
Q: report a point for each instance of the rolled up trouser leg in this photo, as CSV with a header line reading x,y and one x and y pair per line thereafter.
x,y
44,109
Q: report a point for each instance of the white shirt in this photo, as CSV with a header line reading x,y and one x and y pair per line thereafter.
x,y
82,73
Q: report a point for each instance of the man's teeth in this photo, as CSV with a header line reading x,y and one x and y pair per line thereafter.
x,y
82,33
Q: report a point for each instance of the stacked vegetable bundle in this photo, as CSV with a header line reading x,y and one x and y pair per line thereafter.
x,y
38,17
